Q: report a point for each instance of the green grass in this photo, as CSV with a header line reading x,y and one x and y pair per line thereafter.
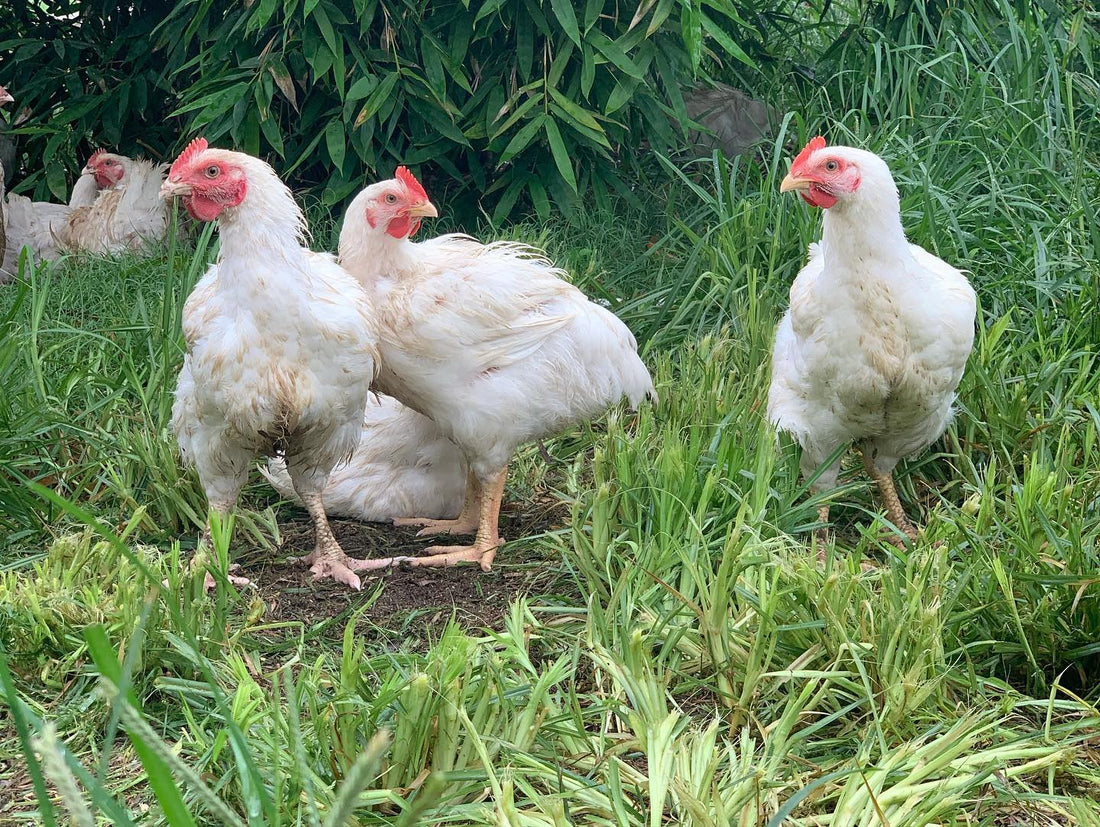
x,y
689,662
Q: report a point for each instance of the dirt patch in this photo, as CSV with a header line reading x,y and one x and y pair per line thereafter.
x,y
403,599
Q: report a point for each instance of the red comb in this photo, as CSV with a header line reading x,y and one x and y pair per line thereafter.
x,y
190,151
95,155
409,180
804,156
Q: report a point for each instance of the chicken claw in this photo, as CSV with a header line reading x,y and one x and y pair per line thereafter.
x,y
333,562
465,523
480,553
209,582
327,558
460,525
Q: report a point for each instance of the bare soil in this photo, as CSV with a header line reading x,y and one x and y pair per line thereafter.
x,y
405,599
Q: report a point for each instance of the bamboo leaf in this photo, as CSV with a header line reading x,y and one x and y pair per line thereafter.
x,y
560,153
522,138
335,143
725,41
613,51
361,88
284,81
588,70
377,98
563,11
525,46
487,8
578,113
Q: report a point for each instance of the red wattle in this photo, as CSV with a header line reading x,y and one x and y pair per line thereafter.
x,y
400,226
815,196
201,209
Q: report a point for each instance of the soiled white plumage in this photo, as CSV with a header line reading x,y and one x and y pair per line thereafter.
x,y
129,215
490,342
280,344
33,225
403,465
280,353
878,331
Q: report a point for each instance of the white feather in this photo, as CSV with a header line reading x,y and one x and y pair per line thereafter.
x,y
127,216
403,466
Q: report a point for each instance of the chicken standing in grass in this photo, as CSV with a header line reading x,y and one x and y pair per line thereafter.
x,y
280,345
878,331
487,340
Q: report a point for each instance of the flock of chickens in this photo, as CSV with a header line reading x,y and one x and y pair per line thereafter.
x,y
114,206
396,380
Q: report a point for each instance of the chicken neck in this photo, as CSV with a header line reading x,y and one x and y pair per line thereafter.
x,y
866,227
382,256
266,226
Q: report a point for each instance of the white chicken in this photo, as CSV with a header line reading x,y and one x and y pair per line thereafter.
x,y
486,340
36,225
115,205
128,212
403,465
878,331
280,348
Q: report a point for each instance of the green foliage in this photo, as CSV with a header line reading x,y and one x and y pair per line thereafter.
x,y
544,100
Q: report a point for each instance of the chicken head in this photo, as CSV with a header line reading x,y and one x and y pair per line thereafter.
x,y
107,168
210,181
823,176
396,206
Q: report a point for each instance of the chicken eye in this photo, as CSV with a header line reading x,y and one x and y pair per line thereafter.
x,y
831,166
107,163
212,172
391,198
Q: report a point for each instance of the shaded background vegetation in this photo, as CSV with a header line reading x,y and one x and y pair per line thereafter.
x,y
507,99
505,102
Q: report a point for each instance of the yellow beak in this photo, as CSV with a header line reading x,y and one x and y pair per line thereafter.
x,y
425,209
793,183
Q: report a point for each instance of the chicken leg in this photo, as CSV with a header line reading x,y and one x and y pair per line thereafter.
x,y
897,515
486,542
328,559
465,523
